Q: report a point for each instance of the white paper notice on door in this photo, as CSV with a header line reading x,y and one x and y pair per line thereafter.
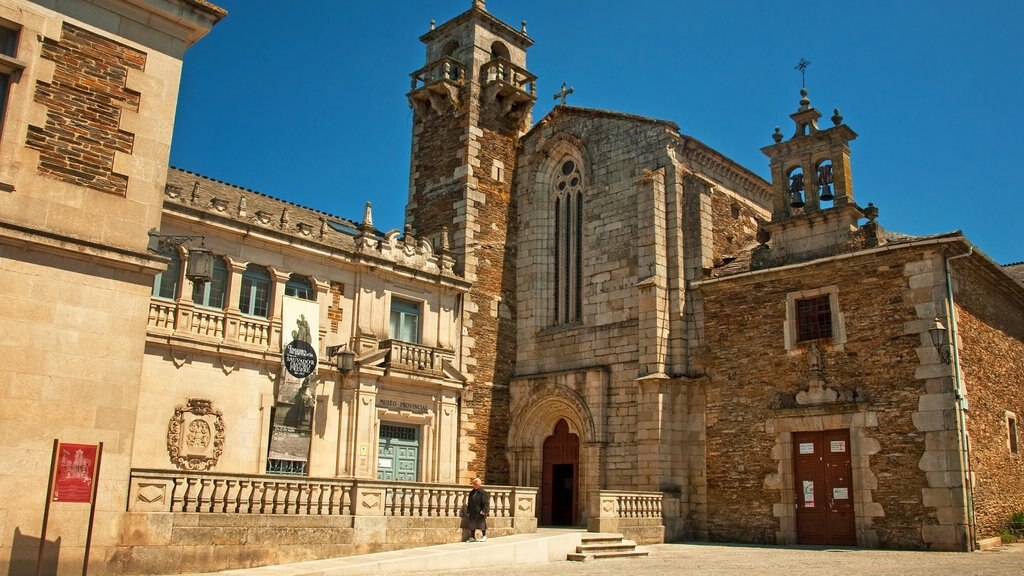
x,y
838,446
808,494
840,493
807,447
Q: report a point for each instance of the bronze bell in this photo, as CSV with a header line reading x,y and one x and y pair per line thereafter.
x,y
825,193
796,186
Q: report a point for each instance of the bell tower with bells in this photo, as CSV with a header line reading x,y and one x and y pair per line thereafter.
x,y
471,103
813,211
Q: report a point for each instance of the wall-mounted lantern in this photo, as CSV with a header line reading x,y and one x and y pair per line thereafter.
x,y
938,333
344,358
200,259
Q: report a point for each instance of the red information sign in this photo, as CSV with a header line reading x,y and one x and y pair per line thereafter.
x,y
75,473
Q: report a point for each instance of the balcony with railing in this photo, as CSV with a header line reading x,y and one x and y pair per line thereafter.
x,y
416,358
511,87
437,85
185,319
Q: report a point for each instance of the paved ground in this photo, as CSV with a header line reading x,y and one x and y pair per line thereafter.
x,y
722,560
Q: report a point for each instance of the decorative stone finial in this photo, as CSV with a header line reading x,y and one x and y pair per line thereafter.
x,y
871,212
195,192
777,136
433,24
241,207
523,29
445,247
284,218
837,118
805,102
481,4
367,217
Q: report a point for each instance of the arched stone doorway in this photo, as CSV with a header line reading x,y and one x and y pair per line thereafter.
x,y
560,477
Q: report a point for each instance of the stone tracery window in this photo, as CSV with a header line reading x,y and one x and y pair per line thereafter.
x,y
568,237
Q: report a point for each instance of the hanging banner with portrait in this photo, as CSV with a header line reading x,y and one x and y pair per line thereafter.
x,y
296,390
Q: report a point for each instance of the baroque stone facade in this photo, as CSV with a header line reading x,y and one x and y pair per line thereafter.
x,y
598,307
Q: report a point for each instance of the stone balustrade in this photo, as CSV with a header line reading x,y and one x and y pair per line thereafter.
x,y
636,515
221,493
442,69
186,319
501,70
416,357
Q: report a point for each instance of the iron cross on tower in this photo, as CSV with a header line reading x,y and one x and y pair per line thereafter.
x,y
561,94
802,67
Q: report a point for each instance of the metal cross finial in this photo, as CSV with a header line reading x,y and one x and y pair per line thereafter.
x,y
802,67
561,94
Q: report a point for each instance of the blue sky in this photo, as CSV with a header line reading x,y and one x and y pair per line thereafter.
x,y
305,101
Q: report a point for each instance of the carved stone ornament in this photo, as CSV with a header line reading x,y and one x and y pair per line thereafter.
x,y
195,435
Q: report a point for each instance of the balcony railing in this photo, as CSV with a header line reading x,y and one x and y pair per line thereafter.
x,y
504,71
416,357
219,493
208,323
446,69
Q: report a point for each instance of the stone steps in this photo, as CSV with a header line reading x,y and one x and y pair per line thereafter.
x,y
603,547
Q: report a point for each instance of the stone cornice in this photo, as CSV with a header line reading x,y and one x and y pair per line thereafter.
x,y
79,249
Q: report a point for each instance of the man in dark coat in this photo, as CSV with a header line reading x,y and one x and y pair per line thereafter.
x,y
477,507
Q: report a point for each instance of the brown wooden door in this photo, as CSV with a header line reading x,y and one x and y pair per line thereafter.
x,y
824,488
560,479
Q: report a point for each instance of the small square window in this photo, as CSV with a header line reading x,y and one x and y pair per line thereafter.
x,y
813,318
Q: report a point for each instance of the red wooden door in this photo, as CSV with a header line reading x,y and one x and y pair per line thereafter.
x,y
824,488
560,478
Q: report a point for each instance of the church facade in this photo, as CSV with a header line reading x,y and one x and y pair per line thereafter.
x,y
595,306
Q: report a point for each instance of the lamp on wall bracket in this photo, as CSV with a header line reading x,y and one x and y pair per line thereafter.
x,y
938,333
344,358
200,258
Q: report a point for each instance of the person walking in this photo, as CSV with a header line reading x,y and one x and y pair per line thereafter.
x,y
477,506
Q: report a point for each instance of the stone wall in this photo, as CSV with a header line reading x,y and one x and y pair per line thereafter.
x,y
84,103
734,224
172,543
990,322
752,404
86,130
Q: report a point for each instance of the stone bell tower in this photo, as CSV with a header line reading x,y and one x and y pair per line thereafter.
x,y
471,103
813,211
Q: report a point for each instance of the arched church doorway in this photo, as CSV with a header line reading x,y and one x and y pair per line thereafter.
x,y
560,478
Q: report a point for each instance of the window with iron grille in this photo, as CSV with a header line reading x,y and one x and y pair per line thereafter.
x,y
398,432
813,318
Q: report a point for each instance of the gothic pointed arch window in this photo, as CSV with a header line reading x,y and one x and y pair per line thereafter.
x,y
568,241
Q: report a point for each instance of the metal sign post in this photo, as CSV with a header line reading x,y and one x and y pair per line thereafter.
x,y
74,477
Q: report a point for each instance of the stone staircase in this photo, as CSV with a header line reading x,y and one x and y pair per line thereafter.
x,y
604,546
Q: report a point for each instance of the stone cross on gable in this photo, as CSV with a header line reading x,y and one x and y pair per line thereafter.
x,y
562,94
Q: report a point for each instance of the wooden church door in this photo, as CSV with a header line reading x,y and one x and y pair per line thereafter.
x,y
560,480
824,488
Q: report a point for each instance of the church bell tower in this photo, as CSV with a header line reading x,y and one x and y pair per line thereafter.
x,y
813,211
471,102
